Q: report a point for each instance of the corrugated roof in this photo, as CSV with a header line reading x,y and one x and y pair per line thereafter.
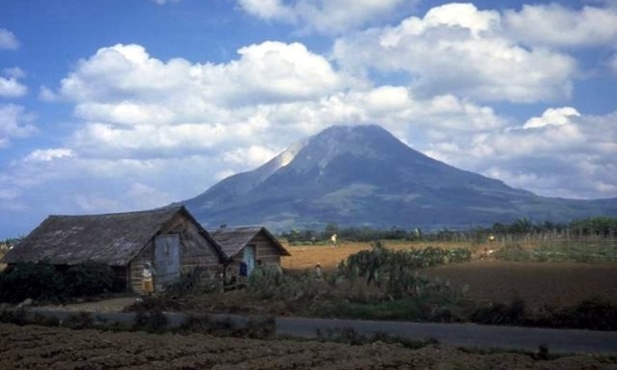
x,y
232,240
114,239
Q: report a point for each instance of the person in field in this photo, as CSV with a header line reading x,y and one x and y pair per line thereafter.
x,y
333,240
147,275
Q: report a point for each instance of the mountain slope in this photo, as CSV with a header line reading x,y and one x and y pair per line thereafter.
x,y
362,175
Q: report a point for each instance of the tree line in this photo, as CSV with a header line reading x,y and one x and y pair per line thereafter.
x,y
602,227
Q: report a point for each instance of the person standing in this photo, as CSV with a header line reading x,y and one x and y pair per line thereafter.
x,y
147,276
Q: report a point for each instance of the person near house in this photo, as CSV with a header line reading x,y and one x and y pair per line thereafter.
x,y
318,271
243,272
147,275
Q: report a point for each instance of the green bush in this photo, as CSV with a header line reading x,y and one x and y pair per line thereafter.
x,y
595,314
513,253
501,314
89,279
38,281
188,282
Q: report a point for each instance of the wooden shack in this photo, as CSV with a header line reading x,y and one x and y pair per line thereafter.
x,y
170,238
252,245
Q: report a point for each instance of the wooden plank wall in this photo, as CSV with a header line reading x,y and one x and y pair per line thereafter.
x,y
195,251
265,250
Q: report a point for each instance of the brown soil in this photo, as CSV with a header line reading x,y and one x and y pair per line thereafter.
x,y
35,347
106,305
537,283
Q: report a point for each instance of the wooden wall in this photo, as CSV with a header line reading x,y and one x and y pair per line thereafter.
x,y
195,251
265,250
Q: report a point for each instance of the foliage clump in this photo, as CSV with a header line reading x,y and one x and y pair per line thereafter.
x,y
38,281
89,279
43,282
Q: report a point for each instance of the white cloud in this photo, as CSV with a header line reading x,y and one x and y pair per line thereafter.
x,y
252,156
324,16
459,49
264,73
46,155
555,25
11,88
268,9
552,116
147,197
8,40
561,153
15,122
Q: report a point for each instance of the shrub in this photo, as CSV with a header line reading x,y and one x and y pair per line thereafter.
x,y
595,313
513,253
188,282
89,279
458,255
501,314
38,281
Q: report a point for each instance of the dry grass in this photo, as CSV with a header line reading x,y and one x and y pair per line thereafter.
x,y
303,257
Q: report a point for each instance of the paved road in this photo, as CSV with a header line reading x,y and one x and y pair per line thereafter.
x,y
461,335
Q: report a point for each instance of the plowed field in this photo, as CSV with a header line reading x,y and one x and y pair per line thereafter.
x,y
538,283
34,347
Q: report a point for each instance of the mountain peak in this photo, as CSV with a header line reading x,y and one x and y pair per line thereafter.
x,y
363,175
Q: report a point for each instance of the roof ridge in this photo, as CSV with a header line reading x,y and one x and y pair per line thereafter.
x,y
155,210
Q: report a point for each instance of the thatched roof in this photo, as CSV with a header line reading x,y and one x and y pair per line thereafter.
x,y
114,239
233,240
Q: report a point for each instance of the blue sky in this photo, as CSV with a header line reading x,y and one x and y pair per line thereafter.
x,y
110,106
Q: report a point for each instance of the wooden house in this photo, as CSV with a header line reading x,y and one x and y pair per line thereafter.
x,y
170,238
249,244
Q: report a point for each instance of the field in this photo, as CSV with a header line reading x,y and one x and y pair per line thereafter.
x,y
35,347
538,283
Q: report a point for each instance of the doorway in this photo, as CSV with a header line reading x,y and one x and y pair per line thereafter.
x,y
166,259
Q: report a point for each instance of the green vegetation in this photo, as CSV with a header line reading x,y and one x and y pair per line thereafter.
x,y
43,282
574,251
517,230
595,314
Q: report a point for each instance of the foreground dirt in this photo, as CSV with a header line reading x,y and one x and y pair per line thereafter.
x,y
34,347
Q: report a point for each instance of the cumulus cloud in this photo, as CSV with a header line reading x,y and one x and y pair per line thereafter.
x,y
10,87
15,122
323,16
561,153
553,116
46,155
264,73
555,25
8,40
456,48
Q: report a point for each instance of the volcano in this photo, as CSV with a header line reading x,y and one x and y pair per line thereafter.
x,y
364,176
